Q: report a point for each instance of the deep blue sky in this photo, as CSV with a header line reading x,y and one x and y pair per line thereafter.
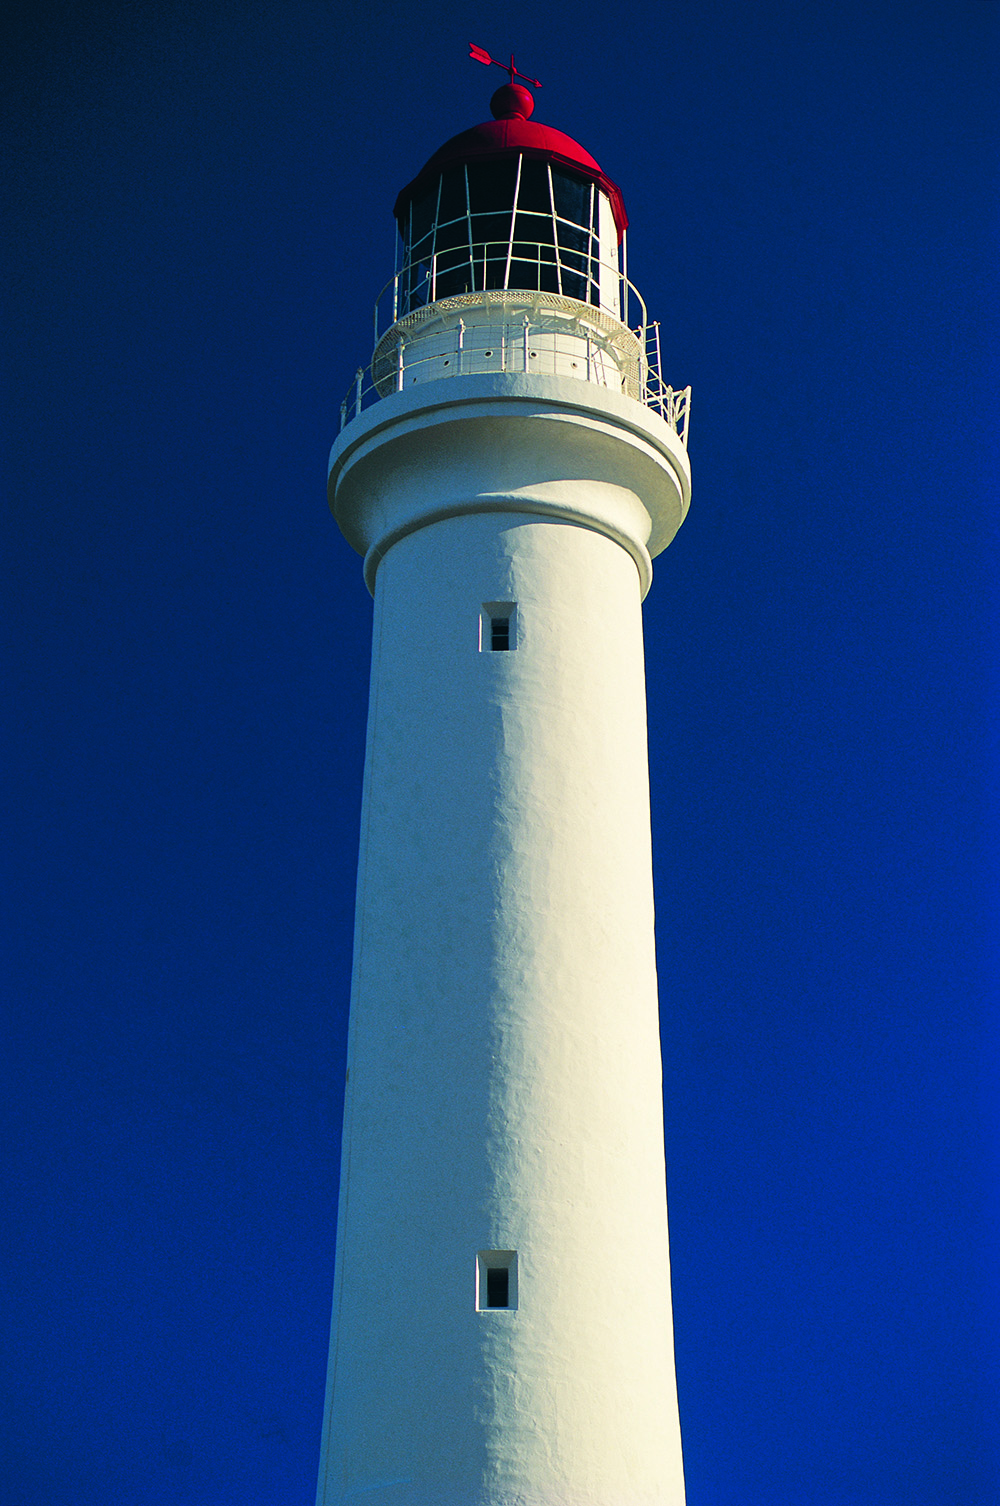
x,y
199,221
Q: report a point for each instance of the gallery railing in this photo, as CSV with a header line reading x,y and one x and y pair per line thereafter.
x,y
509,266
516,317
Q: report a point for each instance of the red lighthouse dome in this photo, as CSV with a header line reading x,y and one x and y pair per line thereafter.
x,y
511,205
511,134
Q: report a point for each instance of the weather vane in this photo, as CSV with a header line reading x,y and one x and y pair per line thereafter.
x,y
482,56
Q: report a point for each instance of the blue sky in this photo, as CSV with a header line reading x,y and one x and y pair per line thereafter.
x,y
200,218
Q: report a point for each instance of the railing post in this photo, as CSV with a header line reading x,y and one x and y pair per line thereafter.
x,y
461,343
589,376
359,377
659,372
434,277
399,365
527,326
395,298
343,413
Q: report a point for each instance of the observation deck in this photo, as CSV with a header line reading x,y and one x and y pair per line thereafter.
x,y
513,329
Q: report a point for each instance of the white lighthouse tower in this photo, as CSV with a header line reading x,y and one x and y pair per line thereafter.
x,y
507,466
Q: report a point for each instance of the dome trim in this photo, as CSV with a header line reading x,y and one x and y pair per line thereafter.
x,y
511,137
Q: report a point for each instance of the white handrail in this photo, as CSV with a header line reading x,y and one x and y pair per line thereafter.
x,y
566,333
415,284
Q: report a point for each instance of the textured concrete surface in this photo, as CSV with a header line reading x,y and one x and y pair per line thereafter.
x,y
504,1070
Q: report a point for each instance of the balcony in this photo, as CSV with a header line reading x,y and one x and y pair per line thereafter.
x,y
515,320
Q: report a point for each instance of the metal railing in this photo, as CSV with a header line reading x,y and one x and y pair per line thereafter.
x,y
509,266
672,404
515,328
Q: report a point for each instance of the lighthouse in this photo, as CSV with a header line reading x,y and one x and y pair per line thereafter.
x,y
507,465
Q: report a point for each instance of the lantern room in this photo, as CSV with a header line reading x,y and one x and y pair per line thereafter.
x,y
511,259
511,205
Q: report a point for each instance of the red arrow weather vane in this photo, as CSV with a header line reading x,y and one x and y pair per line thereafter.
x,y
482,56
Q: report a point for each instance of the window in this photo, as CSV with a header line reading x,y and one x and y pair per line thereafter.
x,y
496,1280
512,222
497,1286
498,627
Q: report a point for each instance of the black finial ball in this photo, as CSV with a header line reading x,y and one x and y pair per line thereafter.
x,y
511,100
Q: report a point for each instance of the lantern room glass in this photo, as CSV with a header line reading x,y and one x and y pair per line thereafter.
x,y
514,222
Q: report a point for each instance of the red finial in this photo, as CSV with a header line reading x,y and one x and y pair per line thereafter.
x,y
512,101
482,56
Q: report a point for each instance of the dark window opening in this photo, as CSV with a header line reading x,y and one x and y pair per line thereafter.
x,y
508,223
498,1286
498,629
496,1281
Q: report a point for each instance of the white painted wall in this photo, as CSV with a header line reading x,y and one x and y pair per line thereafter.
x,y
610,260
504,1073
476,333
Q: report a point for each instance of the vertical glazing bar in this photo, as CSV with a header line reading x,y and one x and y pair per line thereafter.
x,y
395,283
555,227
513,217
468,222
527,326
590,257
395,278
406,268
399,365
359,377
434,236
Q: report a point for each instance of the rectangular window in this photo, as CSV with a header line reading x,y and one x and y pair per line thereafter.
x,y
498,627
497,1286
496,1280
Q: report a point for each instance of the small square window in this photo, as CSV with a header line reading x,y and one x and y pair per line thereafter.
x,y
498,627
496,1280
